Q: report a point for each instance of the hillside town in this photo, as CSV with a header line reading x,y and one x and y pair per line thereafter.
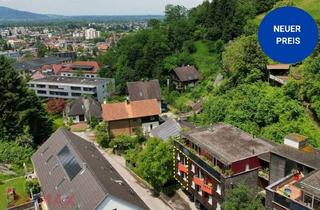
x,y
182,112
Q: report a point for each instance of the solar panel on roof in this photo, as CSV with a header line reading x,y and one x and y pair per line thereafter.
x,y
69,162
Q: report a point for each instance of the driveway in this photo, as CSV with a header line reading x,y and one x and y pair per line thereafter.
x,y
119,165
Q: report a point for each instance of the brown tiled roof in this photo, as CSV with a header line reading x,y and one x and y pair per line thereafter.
x,y
93,64
187,73
141,90
130,110
96,181
278,67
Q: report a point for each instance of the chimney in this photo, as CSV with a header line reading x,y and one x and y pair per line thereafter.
x,y
296,141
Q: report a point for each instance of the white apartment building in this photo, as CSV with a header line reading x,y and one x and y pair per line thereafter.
x,y
91,33
73,87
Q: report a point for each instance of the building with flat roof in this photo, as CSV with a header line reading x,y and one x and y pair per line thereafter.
x,y
73,174
294,175
209,161
73,87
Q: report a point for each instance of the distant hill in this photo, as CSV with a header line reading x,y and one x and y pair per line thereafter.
x,y
8,14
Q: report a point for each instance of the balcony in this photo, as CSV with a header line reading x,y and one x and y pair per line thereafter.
x,y
198,181
204,187
207,188
200,162
182,168
286,194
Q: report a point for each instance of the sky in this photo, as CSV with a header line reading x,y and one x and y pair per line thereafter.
x,y
96,7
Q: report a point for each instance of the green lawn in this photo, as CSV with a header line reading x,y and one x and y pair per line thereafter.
x,y
204,60
19,185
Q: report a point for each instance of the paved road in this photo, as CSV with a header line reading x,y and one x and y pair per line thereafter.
x,y
119,164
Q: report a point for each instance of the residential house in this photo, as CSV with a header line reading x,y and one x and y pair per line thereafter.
x,y
72,87
130,116
81,68
278,73
73,174
82,110
293,167
30,67
209,161
142,90
184,77
170,128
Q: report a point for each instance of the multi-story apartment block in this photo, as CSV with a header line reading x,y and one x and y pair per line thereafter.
x,y
91,33
72,87
294,176
210,161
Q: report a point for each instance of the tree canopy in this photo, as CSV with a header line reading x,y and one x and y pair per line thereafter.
x,y
20,107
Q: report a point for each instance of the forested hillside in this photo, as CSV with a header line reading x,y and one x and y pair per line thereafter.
x,y
221,38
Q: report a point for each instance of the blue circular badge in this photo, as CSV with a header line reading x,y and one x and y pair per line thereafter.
x,y
288,35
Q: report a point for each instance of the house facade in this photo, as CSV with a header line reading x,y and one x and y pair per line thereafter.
x,y
82,110
142,90
129,117
210,161
185,77
72,87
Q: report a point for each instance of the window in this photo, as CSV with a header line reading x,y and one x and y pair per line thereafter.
x,y
41,92
41,86
69,162
31,85
60,183
87,89
247,167
218,189
50,157
193,168
75,88
178,156
76,94
53,87
193,185
210,200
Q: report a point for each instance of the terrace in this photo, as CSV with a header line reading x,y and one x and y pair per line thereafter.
x,y
287,194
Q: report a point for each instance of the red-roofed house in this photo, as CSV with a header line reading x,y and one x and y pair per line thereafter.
x,y
84,68
127,117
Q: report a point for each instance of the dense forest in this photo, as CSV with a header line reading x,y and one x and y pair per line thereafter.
x,y
220,37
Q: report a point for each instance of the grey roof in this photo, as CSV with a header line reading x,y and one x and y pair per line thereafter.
x,y
187,73
170,128
307,156
71,80
142,90
30,65
311,183
96,181
228,143
88,107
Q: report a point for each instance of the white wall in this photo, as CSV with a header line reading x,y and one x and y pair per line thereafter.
x,y
146,126
111,203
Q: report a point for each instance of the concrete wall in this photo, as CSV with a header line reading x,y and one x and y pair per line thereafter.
x,y
277,168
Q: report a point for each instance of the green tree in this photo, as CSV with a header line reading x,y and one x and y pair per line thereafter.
x,y
102,134
242,197
154,163
41,49
243,60
20,107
